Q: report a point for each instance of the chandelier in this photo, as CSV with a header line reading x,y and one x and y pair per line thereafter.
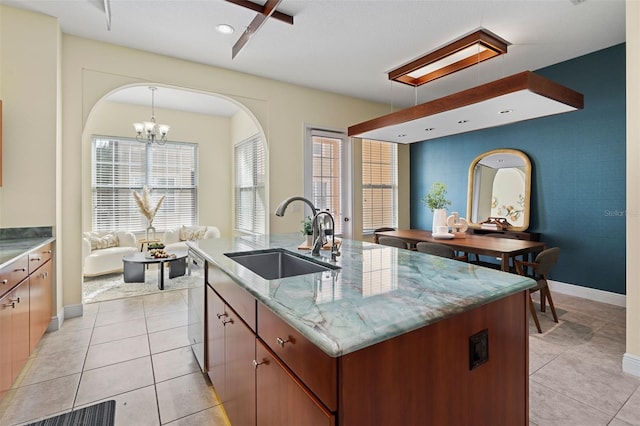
x,y
150,130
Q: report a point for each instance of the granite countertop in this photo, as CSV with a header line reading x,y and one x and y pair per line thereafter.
x,y
11,249
380,292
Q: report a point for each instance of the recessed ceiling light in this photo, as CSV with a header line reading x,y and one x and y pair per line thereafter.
x,y
224,29
506,111
402,135
463,121
429,129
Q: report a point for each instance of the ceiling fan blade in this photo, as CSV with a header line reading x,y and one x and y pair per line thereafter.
x,y
254,26
260,9
107,12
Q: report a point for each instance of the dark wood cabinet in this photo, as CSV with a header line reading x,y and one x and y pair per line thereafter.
x,y
282,400
6,335
25,310
230,356
450,372
40,303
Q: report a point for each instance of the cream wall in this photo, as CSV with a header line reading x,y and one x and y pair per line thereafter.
x,y
631,361
90,70
31,136
29,76
211,133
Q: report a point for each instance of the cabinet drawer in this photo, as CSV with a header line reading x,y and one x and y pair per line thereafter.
x,y
38,257
314,367
243,303
12,274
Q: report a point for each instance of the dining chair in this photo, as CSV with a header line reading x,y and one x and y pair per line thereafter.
x,y
383,229
436,249
393,242
540,268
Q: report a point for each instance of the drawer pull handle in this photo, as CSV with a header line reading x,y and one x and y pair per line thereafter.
x,y
37,259
229,321
256,363
222,315
48,251
10,305
281,342
4,281
17,300
21,270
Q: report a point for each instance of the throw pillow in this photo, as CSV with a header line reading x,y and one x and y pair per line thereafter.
x,y
192,233
106,241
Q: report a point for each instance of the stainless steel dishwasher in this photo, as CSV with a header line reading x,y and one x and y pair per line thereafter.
x,y
196,300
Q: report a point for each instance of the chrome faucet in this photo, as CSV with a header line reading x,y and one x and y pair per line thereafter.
x,y
285,203
321,240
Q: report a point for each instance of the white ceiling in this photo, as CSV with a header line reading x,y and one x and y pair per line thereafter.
x,y
348,46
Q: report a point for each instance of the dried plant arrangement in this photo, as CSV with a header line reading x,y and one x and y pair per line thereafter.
x,y
144,203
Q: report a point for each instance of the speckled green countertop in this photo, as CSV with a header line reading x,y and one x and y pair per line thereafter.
x,y
380,292
16,242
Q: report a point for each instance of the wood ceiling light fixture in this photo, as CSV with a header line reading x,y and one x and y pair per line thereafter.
x,y
264,12
519,97
455,56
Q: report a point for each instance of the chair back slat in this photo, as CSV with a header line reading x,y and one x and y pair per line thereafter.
x,y
436,249
546,259
393,242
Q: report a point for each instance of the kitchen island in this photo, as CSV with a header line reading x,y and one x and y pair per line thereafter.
x,y
389,337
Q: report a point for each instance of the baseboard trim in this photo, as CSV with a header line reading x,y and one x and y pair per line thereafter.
x,y
72,311
589,293
631,364
56,322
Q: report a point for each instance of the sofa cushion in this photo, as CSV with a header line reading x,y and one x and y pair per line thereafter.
x,y
192,233
109,240
126,239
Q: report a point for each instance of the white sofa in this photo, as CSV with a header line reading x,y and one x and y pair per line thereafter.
x,y
103,251
176,239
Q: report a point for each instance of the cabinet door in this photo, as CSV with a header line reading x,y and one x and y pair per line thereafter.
x,y
215,341
240,386
5,347
281,399
19,328
39,303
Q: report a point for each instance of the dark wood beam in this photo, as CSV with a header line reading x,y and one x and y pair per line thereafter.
x,y
254,26
261,9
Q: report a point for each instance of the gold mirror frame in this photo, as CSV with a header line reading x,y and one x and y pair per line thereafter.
x,y
477,207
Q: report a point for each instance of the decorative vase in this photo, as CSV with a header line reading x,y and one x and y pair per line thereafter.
x,y
151,232
309,240
439,219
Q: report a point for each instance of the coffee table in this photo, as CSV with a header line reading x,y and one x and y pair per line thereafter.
x,y
135,265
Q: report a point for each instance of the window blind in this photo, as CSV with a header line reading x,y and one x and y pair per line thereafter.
x,y
379,185
327,177
250,167
121,166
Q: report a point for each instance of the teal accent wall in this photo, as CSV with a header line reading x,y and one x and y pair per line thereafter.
x,y
579,176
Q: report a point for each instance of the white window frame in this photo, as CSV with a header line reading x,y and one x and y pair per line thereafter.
x,y
174,178
392,186
255,184
342,218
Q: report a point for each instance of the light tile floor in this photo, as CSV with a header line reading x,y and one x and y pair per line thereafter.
x,y
136,351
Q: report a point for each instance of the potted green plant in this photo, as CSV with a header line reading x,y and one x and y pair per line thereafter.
x,y
307,230
437,201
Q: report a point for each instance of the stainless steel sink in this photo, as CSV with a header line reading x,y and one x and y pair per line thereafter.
x,y
278,263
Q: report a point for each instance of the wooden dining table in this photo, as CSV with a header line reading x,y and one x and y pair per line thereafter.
x,y
503,248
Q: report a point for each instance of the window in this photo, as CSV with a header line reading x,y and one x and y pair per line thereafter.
x,y
250,185
326,176
121,166
379,185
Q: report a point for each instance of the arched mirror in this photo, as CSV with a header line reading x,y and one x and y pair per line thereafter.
x,y
500,186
